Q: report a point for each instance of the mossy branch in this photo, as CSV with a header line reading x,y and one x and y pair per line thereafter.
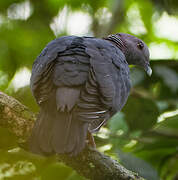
x,y
92,164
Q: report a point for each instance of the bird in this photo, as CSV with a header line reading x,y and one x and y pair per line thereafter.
x,y
79,83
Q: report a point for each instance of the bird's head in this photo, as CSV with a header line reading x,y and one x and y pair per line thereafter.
x,y
134,49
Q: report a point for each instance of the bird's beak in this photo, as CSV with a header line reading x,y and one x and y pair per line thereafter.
x,y
148,70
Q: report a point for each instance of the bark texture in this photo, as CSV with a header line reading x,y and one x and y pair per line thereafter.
x,y
92,164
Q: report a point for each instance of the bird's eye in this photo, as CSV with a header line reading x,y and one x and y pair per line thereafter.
x,y
140,45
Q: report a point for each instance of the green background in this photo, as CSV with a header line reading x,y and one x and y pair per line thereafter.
x,y
144,136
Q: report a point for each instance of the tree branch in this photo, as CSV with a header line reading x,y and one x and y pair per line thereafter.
x,y
90,163
118,16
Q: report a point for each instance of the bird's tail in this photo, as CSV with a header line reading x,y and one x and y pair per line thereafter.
x,y
57,132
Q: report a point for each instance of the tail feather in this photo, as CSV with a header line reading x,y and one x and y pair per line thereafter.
x,y
76,137
72,136
82,139
58,132
40,140
42,135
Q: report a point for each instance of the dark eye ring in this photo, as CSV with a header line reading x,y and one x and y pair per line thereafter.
x,y
140,45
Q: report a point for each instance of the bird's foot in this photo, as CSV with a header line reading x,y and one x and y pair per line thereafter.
x,y
91,140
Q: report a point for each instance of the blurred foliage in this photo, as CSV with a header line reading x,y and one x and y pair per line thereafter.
x,y
144,136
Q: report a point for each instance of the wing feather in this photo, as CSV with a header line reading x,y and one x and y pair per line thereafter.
x,y
111,74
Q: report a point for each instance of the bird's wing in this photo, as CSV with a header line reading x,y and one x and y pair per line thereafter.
x,y
41,81
110,73
70,74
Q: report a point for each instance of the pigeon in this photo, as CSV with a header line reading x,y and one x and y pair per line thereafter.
x,y
79,84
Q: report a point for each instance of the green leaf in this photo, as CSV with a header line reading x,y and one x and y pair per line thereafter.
x,y
140,113
117,123
169,76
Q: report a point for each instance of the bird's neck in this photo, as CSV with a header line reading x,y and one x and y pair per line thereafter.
x,y
119,42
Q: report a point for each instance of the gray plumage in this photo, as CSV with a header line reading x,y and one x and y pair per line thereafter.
x,y
79,83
